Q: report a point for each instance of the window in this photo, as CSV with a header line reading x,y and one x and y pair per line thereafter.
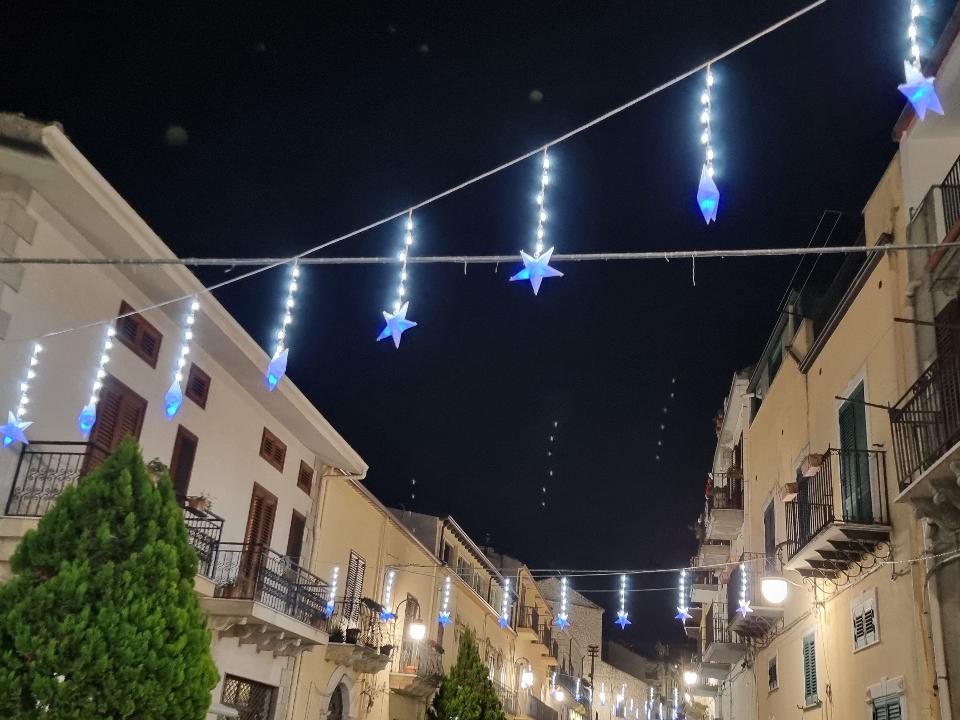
x,y
855,488
863,611
305,477
139,335
263,511
447,556
770,538
887,708
298,524
181,463
353,588
462,570
272,450
198,385
773,681
253,700
120,412
810,694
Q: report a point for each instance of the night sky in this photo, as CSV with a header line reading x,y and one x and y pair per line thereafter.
x,y
265,128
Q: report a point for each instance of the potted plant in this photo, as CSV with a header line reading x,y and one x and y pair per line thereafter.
x,y
386,649
351,635
337,635
155,469
201,502
372,605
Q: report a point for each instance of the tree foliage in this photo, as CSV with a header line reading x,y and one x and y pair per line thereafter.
x,y
466,692
100,619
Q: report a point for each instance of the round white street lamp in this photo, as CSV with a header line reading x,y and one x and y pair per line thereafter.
x,y
774,590
418,631
690,677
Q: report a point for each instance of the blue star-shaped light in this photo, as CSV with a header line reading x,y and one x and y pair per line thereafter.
x,y
13,431
919,90
535,269
396,324
744,608
708,196
444,617
173,399
562,621
86,419
329,608
622,619
682,614
276,369
504,621
387,616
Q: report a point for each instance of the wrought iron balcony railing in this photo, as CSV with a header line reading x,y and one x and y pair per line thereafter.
x,y
849,487
252,571
538,710
726,491
420,658
508,698
716,626
44,471
926,420
528,617
360,623
204,530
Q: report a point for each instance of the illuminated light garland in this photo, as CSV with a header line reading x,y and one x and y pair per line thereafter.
x,y
622,620
277,367
396,323
918,89
708,196
173,398
88,415
387,613
15,428
332,597
744,608
602,697
444,617
537,267
682,608
505,604
563,619
676,703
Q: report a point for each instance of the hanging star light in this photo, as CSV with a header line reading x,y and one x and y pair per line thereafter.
x,y
622,620
14,429
387,614
537,267
332,590
744,609
277,367
444,617
173,398
505,604
682,608
396,322
88,415
708,195
918,89
563,618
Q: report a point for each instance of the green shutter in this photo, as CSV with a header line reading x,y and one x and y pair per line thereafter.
x,y
810,670
854,461
887,708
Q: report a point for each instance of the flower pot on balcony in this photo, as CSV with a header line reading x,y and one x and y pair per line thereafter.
x,y
386,649
351,635
789,492
410,669
811,464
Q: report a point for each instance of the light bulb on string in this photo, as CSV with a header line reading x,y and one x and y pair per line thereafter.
x,y
682,608
277,367
396,323
622,620
563,618
332,590
505,604
88,415
708,195
173,398
444,617
14,430
918,89
387,613
536,267
744,609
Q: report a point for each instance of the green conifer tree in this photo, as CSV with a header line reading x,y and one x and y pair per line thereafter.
x,y
466,692
100,619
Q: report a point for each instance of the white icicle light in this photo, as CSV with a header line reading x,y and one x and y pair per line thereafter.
x,y
173,398
88,415
331,598
27,381
505,604
563,617
277,367
387,613
707,100
444,617
396,323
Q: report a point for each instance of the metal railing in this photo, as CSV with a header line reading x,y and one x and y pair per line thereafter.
x,y
539,710
858,475
726,491
754,571
252,571
926,420
716,626
44,471
528,617
204,530
420,658
508,698
360,623
545,635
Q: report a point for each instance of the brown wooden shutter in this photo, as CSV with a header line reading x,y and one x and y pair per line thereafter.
x,y
120,412
263,510
198,385
273,450
353,588
181,463
305,477
139,335
947,329
298,524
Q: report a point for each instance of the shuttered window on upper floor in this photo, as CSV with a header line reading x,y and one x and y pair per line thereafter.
x,y
863,611
272,450
353,588
137,334
810,693
888,707
120,412
198,385
305,477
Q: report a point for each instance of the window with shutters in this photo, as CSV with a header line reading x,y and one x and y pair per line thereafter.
x,y
888,707
198,385
353,588
138,335
305,477
120,412
252,700
181,463
855,485
298,524
263,511
810,693
770,539
863,611
272,450
447,555
773,681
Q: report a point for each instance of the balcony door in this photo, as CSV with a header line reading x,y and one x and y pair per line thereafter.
x,y
256,540
855,489
120,412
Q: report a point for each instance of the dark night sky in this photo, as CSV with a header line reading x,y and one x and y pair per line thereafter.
x,y
306,120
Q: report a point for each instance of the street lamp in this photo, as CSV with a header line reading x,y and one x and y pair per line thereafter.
x,y
774,589
417,629
526,675
559,694
690,677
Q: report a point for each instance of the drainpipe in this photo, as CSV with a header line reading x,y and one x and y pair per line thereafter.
x,y
942,681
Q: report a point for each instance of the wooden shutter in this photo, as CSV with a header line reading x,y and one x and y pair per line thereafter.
x,y
263,510
353,587
770,538
272,450
305,477
772,680
198,385
120,412
139,335
946,329
298,524
181,463
859,634
887,708
811,697
870,634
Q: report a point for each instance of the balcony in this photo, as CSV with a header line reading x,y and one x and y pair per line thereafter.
x,y
840,514
703,582
537,710
263,598
713,552
417,669
357,638
724,514
765,617
937,220
691,627
528,622
720,645
508,699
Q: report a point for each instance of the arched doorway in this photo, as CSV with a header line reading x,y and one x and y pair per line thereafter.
x,y
335,707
